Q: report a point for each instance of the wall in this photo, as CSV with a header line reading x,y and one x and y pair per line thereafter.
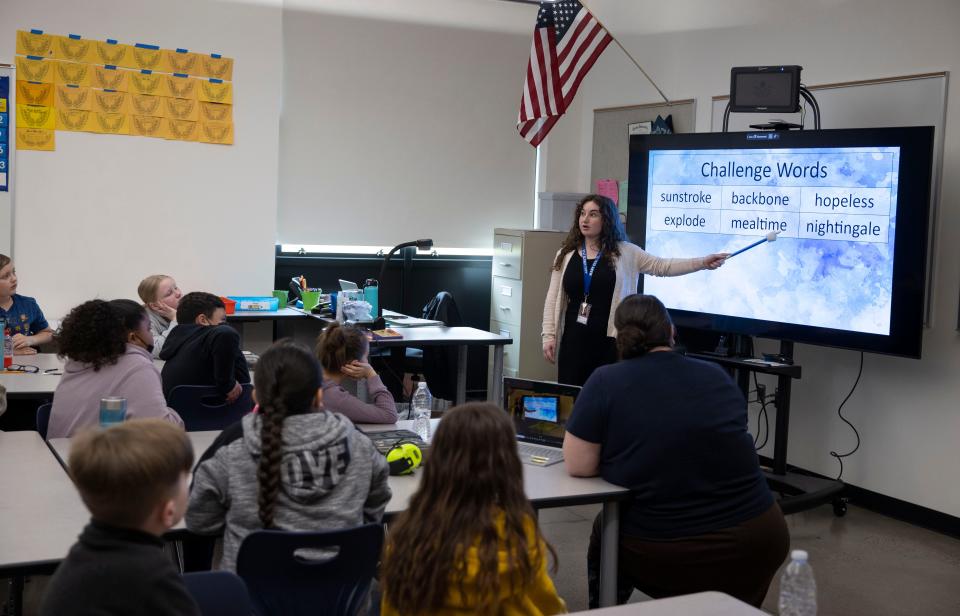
x,y
102,211
394,131
907,411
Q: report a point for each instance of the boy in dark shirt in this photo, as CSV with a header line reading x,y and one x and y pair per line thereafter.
x,y
202,349
133,477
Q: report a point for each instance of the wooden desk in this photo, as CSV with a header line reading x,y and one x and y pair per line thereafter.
x,y
700,604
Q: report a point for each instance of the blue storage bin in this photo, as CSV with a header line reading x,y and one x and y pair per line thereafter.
x,y
252,303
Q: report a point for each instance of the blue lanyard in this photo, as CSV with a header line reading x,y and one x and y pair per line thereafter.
x,y
588,276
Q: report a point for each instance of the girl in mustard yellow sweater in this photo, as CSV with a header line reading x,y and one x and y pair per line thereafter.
x,y
469,542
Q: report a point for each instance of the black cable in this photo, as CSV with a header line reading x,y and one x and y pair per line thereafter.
x,y
841,456
763,413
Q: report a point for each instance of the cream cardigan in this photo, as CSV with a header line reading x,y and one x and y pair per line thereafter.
x,y
632,262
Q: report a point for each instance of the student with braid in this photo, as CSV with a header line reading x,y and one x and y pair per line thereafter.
x,y
469,541
292,466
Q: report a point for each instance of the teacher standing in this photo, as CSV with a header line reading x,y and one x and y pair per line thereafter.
x,y
594,270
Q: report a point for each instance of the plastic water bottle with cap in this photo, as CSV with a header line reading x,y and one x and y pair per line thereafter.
x,y
798,590
6,349
112,411
422,404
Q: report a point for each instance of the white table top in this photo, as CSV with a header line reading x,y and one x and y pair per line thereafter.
x,y
700,604
38,384
286,312
41,513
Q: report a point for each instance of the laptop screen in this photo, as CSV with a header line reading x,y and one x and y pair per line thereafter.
x,y
539,409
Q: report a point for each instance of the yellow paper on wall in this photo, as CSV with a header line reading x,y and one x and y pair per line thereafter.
x,y
145,83
35,139
146,59
181,109
74,50
109,78
110,123
216,112
35,116
181,130
35,93
146,105
72,73
3,105
148,126
35,70
112,54
216,92
30,44
218,68
110,102
179,62
69,97
180,87
74,120
216,132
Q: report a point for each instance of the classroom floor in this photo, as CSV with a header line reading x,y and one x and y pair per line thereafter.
x,y
864,563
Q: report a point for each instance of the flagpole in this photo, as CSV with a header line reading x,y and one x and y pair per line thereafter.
x,y
624,49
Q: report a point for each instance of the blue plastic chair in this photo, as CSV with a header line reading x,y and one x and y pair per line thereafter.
x,y
202,407
43,419
282,582
219,593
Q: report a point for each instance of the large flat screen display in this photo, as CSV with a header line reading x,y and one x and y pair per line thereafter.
x,y
848,210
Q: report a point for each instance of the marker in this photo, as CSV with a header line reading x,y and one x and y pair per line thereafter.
x,y
770,237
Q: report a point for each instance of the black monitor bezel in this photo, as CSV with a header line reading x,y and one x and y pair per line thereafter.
x,y
792,71
910,244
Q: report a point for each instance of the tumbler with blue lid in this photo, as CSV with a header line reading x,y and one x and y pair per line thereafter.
x,y
113,410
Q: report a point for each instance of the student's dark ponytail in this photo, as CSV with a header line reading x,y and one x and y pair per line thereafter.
x,y
287,379
642,323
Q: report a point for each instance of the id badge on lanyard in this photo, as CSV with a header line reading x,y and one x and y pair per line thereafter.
x,y
583,313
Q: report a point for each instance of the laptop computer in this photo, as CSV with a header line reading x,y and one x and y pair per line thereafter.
x,y
540,410
348,285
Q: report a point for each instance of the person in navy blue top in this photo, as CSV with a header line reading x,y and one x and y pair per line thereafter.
x,y
21,315
674,430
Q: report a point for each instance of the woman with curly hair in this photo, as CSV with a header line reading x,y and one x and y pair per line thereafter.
x,y
594,270
108,350
469,541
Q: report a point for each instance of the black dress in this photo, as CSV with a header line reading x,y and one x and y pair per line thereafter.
x,y
584,348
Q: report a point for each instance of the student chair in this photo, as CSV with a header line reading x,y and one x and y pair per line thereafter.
x,y
43,419
202,407
284,581
219,593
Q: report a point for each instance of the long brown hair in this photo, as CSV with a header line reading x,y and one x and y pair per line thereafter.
x,y
338,345
610,235
642,323
473,478
287,378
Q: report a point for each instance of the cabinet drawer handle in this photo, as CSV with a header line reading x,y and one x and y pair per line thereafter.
x,y
503,307
502,264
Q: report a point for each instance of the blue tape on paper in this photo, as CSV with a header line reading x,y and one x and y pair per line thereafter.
x,y
215,56
75,37
180,75
212,80
35,58
36,31
110,67
143,46
111,41
179,50
146,71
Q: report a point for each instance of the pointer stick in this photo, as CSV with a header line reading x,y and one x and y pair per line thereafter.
x,y
770,237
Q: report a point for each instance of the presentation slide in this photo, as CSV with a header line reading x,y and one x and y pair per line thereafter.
x,y
834,213
542,408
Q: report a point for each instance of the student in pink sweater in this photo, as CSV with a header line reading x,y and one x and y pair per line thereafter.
x,y
343,352
107,346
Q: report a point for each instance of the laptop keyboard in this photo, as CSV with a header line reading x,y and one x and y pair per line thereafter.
x,y
539,455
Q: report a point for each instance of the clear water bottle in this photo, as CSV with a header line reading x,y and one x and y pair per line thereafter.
x,y
112,411
798,590
422,404
6,352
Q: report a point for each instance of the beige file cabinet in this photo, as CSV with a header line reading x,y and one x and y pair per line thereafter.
x,y
521,274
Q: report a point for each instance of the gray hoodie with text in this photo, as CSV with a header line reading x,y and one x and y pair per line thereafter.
x,y
331,477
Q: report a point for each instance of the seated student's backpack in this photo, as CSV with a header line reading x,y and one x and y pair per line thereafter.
x,y
440,363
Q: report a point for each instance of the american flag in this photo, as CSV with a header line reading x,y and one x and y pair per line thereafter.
x,y
566,43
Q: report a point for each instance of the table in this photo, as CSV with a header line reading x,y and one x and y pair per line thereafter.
x,y
699,604
38,385
41,513
277,317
